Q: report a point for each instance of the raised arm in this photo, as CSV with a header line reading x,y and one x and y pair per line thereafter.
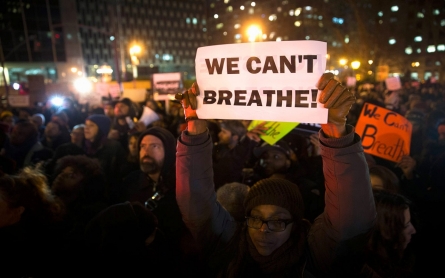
x,y
349,205
208,221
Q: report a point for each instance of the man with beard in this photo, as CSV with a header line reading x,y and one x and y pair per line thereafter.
x,y
154,185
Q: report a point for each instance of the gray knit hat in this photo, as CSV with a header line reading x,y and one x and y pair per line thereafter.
x,y
278,192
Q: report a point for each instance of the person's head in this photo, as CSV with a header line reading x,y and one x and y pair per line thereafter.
x,y
7,117
133,144
124,107
108,109
122,229
68,103
26,197
157,150
393,227
231,196
61,118
97,127
22,132
275,159
78,134
52,130
78,177
416,118
38,119
382,178
279,202
231,131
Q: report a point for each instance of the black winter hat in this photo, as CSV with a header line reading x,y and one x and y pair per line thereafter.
x,y
276,191
281,146
169,142
103,123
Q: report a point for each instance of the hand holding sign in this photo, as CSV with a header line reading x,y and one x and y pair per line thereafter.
x,y
338,99
190,104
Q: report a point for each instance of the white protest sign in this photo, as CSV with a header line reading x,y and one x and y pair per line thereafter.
x,y
393,83
351,81
271,81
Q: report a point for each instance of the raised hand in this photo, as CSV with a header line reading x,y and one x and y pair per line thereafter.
x,y
338,99
190,104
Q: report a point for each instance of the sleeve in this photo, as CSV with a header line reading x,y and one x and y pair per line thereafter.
x,y
206,219
349,211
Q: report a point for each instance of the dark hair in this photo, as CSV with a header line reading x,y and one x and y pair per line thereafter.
x,y
388,177
29,189
386,244
236,127
92,186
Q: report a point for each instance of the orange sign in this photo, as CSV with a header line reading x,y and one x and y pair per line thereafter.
x,y
384,133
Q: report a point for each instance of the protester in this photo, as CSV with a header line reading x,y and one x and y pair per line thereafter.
x,y
387,252
231,196
286,246
29,217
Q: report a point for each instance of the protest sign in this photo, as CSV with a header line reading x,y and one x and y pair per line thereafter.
x,y
384,133
167,83
18,100
269,81
274,130
393,83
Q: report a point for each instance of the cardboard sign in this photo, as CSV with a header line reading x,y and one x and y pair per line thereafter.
x,y
269,81
393,83
275,130
167,83
18,100
136,95
384,133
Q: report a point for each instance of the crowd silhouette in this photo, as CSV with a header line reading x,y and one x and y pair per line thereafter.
x,y
110,189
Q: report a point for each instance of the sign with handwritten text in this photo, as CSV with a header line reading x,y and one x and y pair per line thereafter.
x,y
384,133
274,130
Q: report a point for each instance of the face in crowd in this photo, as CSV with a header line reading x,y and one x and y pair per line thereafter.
x,y
151,154
274,162
91,130
77,135
121,110
264,238
133,146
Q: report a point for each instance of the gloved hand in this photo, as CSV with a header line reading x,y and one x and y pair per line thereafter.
x,y
189,102
337,98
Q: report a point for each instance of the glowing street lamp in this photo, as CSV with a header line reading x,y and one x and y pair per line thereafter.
x,y
254,32
343,62
355,65
134,51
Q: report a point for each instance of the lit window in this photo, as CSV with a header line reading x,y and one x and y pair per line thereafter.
x,y
237,36
215,16
251,10
418,38
195,21
441,47
297,23
237,26
291,12
264,36
226,1
307,38
229,9
219,25
442,22
320,24
187,20
392,41
419,50
278,39
380,13
272,35
431,49
394,8
436,12
253,4
308,8
225,33
409,50
320,17
346,39
242,8
437,63
272,17
420,15
380,21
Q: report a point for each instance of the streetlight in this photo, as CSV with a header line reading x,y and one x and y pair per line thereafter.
x,y
134,51
355,65
254,32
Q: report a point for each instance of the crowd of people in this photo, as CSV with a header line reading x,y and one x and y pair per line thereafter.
x,y
138,189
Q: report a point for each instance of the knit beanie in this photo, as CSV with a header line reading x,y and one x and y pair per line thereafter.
x,y
169,142
102,121
276,191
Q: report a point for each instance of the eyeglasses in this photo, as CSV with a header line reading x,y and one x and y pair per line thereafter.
x,y
273,225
